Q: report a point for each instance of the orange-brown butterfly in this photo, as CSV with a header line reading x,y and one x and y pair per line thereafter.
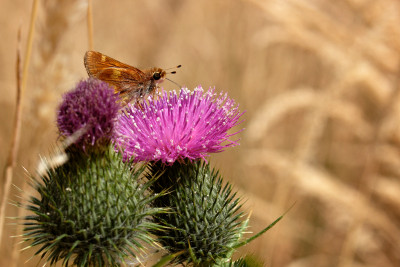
x,y
129,82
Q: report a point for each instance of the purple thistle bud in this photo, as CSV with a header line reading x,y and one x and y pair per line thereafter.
x,y
91,106
174,126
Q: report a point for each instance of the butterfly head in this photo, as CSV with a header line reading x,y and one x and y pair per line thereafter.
x,y
158,74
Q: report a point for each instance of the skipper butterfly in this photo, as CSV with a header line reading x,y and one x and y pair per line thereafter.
x,y
129,82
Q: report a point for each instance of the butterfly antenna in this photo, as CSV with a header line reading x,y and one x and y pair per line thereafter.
x,y
174,82
173,72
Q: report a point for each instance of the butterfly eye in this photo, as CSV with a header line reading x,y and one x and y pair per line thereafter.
x,y
156,75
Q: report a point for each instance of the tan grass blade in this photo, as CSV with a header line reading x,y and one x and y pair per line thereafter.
x,y
90,24
12,156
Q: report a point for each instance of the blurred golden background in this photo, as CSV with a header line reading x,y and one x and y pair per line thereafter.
x,y
319,82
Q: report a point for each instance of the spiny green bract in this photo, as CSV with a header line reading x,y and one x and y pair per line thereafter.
x,y
93,210
204,222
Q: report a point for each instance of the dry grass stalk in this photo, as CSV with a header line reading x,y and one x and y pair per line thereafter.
x,y
21,85
12,156
89,18
29,45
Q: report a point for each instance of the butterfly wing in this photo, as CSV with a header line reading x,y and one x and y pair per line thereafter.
x,y
96,62
130,82
125,82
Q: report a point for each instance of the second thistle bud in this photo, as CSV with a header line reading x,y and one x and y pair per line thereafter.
x,y
205,221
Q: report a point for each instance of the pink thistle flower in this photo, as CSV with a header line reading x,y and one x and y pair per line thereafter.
x,y
177,126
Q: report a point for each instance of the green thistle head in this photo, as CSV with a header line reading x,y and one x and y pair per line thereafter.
x,y
205,222
93,210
